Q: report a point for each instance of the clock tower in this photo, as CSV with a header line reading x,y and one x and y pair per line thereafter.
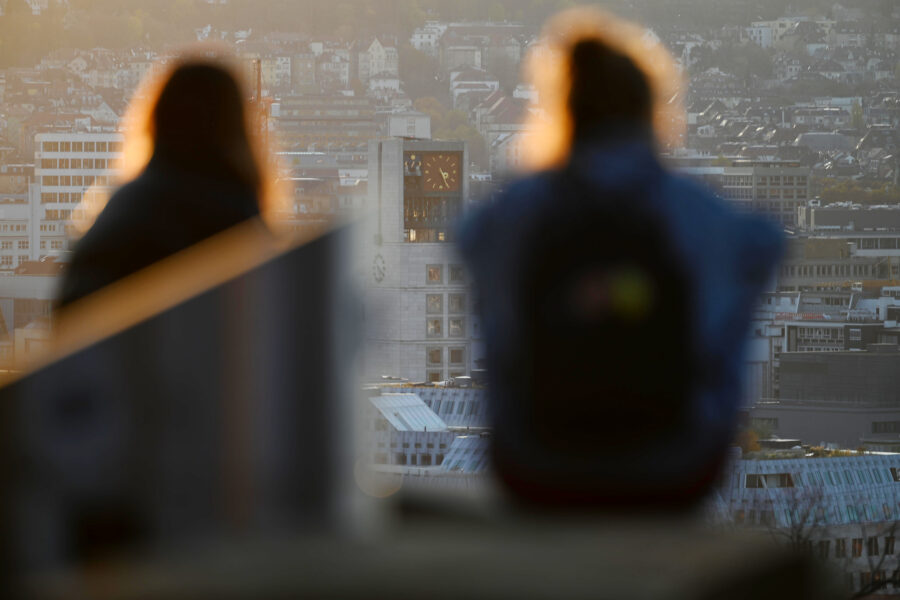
x,y
419,319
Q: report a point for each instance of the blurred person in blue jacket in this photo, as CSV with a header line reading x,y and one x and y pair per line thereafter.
x,y
615,295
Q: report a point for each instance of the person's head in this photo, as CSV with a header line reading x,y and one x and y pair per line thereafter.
x,y
595,73
194,113
199,121
607,89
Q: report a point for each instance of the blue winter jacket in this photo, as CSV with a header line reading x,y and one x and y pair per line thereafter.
x,y
730,257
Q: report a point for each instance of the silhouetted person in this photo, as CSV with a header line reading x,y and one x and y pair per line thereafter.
x,y
615,296
203,177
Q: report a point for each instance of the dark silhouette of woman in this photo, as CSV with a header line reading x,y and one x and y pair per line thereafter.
x,y
197,171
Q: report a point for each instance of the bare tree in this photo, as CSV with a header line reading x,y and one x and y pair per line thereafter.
x,y
880,554
805,519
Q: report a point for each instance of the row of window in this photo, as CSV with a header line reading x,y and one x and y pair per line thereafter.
x,y
58,214
6,227
416,460
60,197
8,245
827,270
455,356
434,304
76,163
828,333
7,261
456,327
81,146
433,376
856,546
434,274
76,180
868,476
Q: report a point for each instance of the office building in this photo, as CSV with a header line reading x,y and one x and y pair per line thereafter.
x,y
325,122
846,398
842,506
69,168
774,189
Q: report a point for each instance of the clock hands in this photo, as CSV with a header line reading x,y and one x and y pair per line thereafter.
x,y
444,175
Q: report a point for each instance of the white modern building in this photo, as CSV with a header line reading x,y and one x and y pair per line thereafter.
x,y
68,167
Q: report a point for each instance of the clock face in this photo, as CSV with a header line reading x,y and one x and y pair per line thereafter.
x,y
441,171
379,268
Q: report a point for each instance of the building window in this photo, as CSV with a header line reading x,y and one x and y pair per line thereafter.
x,y
857,546
434,376
456,327
426,460
23,244
457,356
434,274
457,274
435,356
888,545
434,304
457,303
434,328
823,548
855,335
886,427
6,245
840,548
872,546
399,458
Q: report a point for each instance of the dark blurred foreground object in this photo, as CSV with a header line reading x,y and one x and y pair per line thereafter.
x,y
451,557
203,178
615,303
197,399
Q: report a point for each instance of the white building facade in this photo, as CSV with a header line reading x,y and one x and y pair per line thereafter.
x,y
69,167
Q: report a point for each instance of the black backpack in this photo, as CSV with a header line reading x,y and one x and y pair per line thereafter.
x,y
606,353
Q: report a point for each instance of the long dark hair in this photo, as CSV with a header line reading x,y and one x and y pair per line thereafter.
x,y
200,123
